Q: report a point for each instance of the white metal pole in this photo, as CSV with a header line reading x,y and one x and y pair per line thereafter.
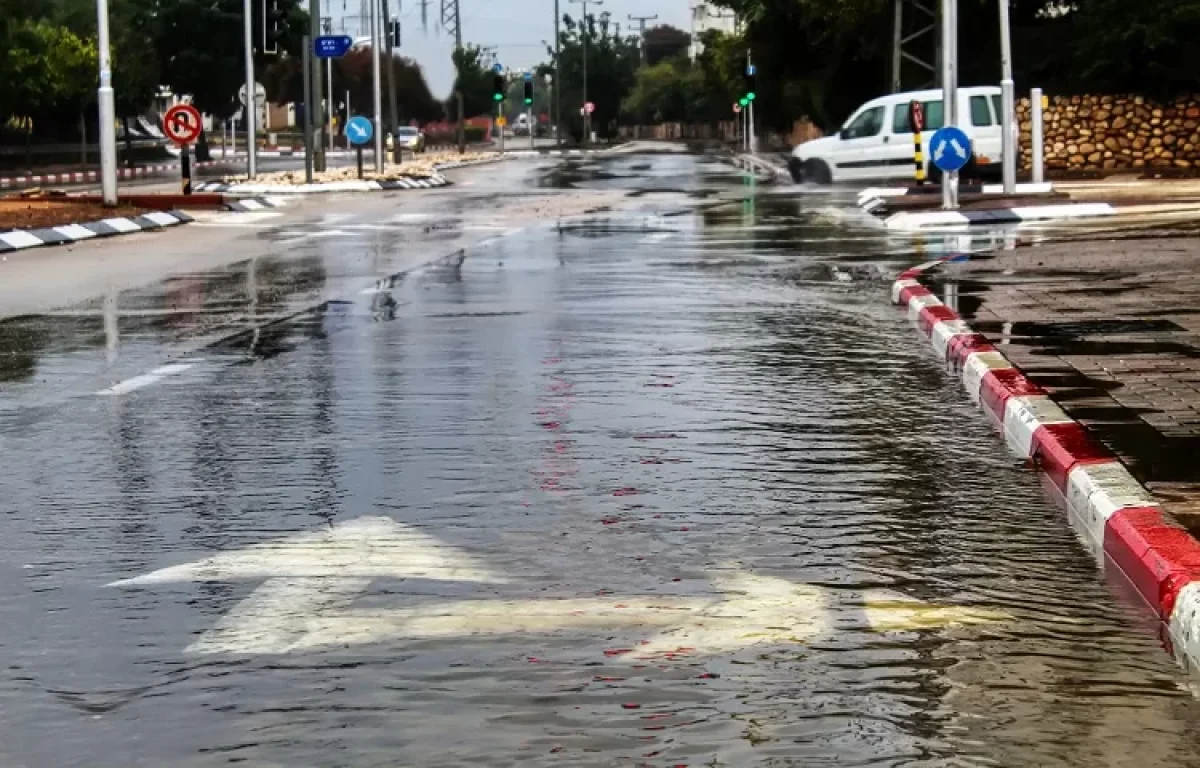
x,y
1008,137
108,111
1037,140
949,94
376,92
329,97
251,104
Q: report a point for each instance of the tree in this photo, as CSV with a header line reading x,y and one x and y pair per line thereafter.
x,y
473,79
611,66
664,42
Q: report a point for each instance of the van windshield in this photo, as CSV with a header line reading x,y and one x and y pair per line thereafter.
x,y
933,117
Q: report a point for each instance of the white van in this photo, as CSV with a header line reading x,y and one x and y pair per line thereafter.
x,y
876,143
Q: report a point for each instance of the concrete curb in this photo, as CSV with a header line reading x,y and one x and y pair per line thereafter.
x,y
248,204
1123,523
910,220
354,185
20,239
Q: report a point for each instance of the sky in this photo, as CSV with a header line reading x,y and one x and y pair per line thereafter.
x,y
515,27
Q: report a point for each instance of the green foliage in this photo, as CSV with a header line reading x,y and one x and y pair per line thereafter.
x,y
473,79
612,64
664,42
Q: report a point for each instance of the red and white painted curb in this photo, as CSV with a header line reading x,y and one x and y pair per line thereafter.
x,y
1121,517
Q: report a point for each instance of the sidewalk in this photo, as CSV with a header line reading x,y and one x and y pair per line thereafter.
x,y
1112,330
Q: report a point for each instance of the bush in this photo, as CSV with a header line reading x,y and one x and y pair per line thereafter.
x,y
472,134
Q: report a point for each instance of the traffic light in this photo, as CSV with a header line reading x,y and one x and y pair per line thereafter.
x,y
528,91
749,81
274,25
743,101
394,33
498,87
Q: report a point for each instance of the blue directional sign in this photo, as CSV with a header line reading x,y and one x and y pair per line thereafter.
x,y
950,149
498,68
751,69
528,76
332,46
359,130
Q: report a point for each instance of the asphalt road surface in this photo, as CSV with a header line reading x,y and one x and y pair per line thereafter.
x,y
610,461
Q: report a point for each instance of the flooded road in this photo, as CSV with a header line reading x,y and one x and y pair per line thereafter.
x,y
670,485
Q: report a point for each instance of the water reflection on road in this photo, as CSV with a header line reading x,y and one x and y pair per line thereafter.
x,y
637,490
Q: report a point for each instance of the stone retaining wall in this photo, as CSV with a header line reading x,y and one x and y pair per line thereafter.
x,y
1114,132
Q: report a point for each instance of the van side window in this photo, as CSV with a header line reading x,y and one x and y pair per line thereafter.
x,y
981,113
999,109
933,117
868,123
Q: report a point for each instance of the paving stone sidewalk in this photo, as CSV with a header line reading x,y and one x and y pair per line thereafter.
x,y
1112,329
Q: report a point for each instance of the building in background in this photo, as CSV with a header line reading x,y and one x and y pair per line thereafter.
x,y
706,16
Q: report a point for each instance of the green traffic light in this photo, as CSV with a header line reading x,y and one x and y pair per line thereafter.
x,y
528,101
750,96
743,101
498,96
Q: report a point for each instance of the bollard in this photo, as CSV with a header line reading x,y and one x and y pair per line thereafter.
x,y
185,158
1037,140
916,120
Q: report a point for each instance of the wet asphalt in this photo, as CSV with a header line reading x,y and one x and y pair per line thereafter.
x,y
667,484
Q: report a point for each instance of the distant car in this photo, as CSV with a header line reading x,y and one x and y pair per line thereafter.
x,y
521,125
410,138
876,142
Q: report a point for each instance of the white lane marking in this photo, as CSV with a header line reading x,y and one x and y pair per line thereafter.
x,y
250,220
146,379
313,580
657,237
296,237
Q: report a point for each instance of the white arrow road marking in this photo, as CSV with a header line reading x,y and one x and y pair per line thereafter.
x,y
313,580
367,547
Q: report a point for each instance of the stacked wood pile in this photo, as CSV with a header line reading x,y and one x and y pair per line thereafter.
x,y
1115,132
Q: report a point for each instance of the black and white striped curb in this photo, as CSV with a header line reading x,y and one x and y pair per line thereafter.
x,y
247,204
352,185
872,198
911,220
20,239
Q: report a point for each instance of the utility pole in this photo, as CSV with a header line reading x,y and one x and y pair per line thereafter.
x,y
903,45
583,36
557,101
1008,137
641,20
451,20
317,139
251,104
375,84
327,25
108,111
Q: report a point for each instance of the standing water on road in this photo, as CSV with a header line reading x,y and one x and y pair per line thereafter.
x,y
637,489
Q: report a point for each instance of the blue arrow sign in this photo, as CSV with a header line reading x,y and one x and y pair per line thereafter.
x,y
359,130
528,76
950,148
332,46
498,68
751,69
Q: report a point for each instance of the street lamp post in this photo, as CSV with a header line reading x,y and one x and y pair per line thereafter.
x,y
108,111
251,105
557,59
587,118
1008,143
376,92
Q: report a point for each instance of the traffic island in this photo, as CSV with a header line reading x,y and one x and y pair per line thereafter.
x,y
422,172
1086,356
31,222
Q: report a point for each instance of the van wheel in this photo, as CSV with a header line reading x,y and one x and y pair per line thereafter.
x,y
817,172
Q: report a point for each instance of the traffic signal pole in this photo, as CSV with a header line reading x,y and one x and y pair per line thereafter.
x,y
251,105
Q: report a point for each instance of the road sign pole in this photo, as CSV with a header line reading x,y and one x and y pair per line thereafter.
x,y
529,120
306,66
500,123
376,90
358,154
185,165
313,93
251,105
949,93
108,117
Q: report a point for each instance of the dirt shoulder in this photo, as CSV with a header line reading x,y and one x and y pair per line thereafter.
x,y
38,213
1112,330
